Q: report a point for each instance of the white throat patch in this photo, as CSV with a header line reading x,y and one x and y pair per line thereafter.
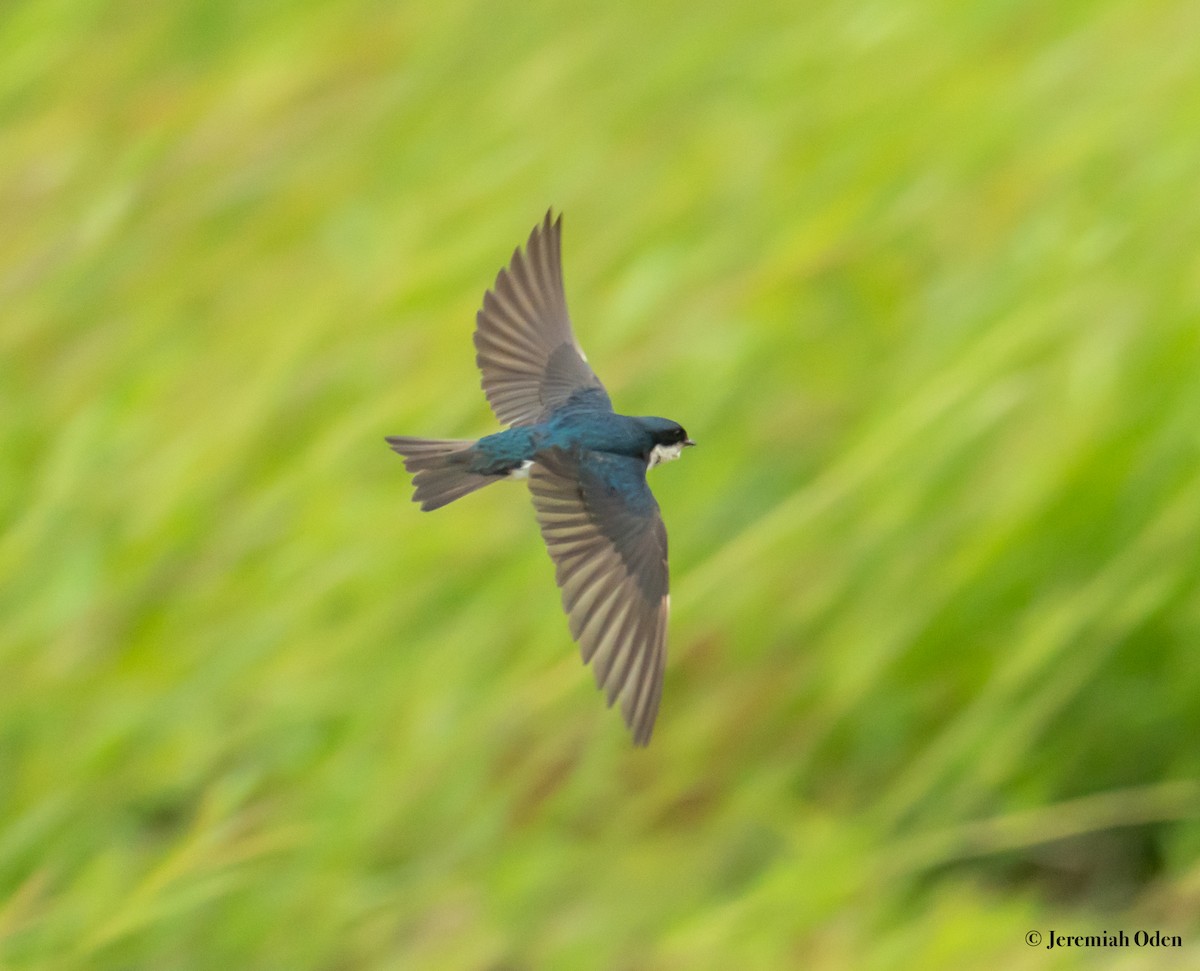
x,y
664,453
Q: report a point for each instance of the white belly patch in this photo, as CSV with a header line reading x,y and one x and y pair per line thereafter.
x,y
522,470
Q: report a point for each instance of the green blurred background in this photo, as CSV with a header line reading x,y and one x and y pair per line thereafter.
x,y
921,277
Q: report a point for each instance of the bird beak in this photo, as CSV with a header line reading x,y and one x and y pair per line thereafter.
x,y
688,441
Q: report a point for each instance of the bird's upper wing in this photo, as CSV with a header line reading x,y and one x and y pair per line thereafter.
x,y
529,357
609,546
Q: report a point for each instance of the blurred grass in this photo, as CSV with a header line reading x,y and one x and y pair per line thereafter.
x,y
920,277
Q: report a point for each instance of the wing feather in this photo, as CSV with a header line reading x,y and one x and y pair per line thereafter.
x,y
606,537
528,356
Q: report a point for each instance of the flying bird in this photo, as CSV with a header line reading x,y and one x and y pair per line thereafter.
x,y
586,466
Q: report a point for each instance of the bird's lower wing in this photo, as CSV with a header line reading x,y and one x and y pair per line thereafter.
x,y
605,534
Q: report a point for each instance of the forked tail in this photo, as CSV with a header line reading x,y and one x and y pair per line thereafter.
x,y
439,467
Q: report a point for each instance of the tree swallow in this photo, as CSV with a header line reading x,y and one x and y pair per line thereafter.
x,y
586,467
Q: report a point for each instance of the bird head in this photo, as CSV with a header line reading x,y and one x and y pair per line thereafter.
x,y
669,438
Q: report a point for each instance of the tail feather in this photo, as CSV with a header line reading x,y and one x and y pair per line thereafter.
x,y
439,468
